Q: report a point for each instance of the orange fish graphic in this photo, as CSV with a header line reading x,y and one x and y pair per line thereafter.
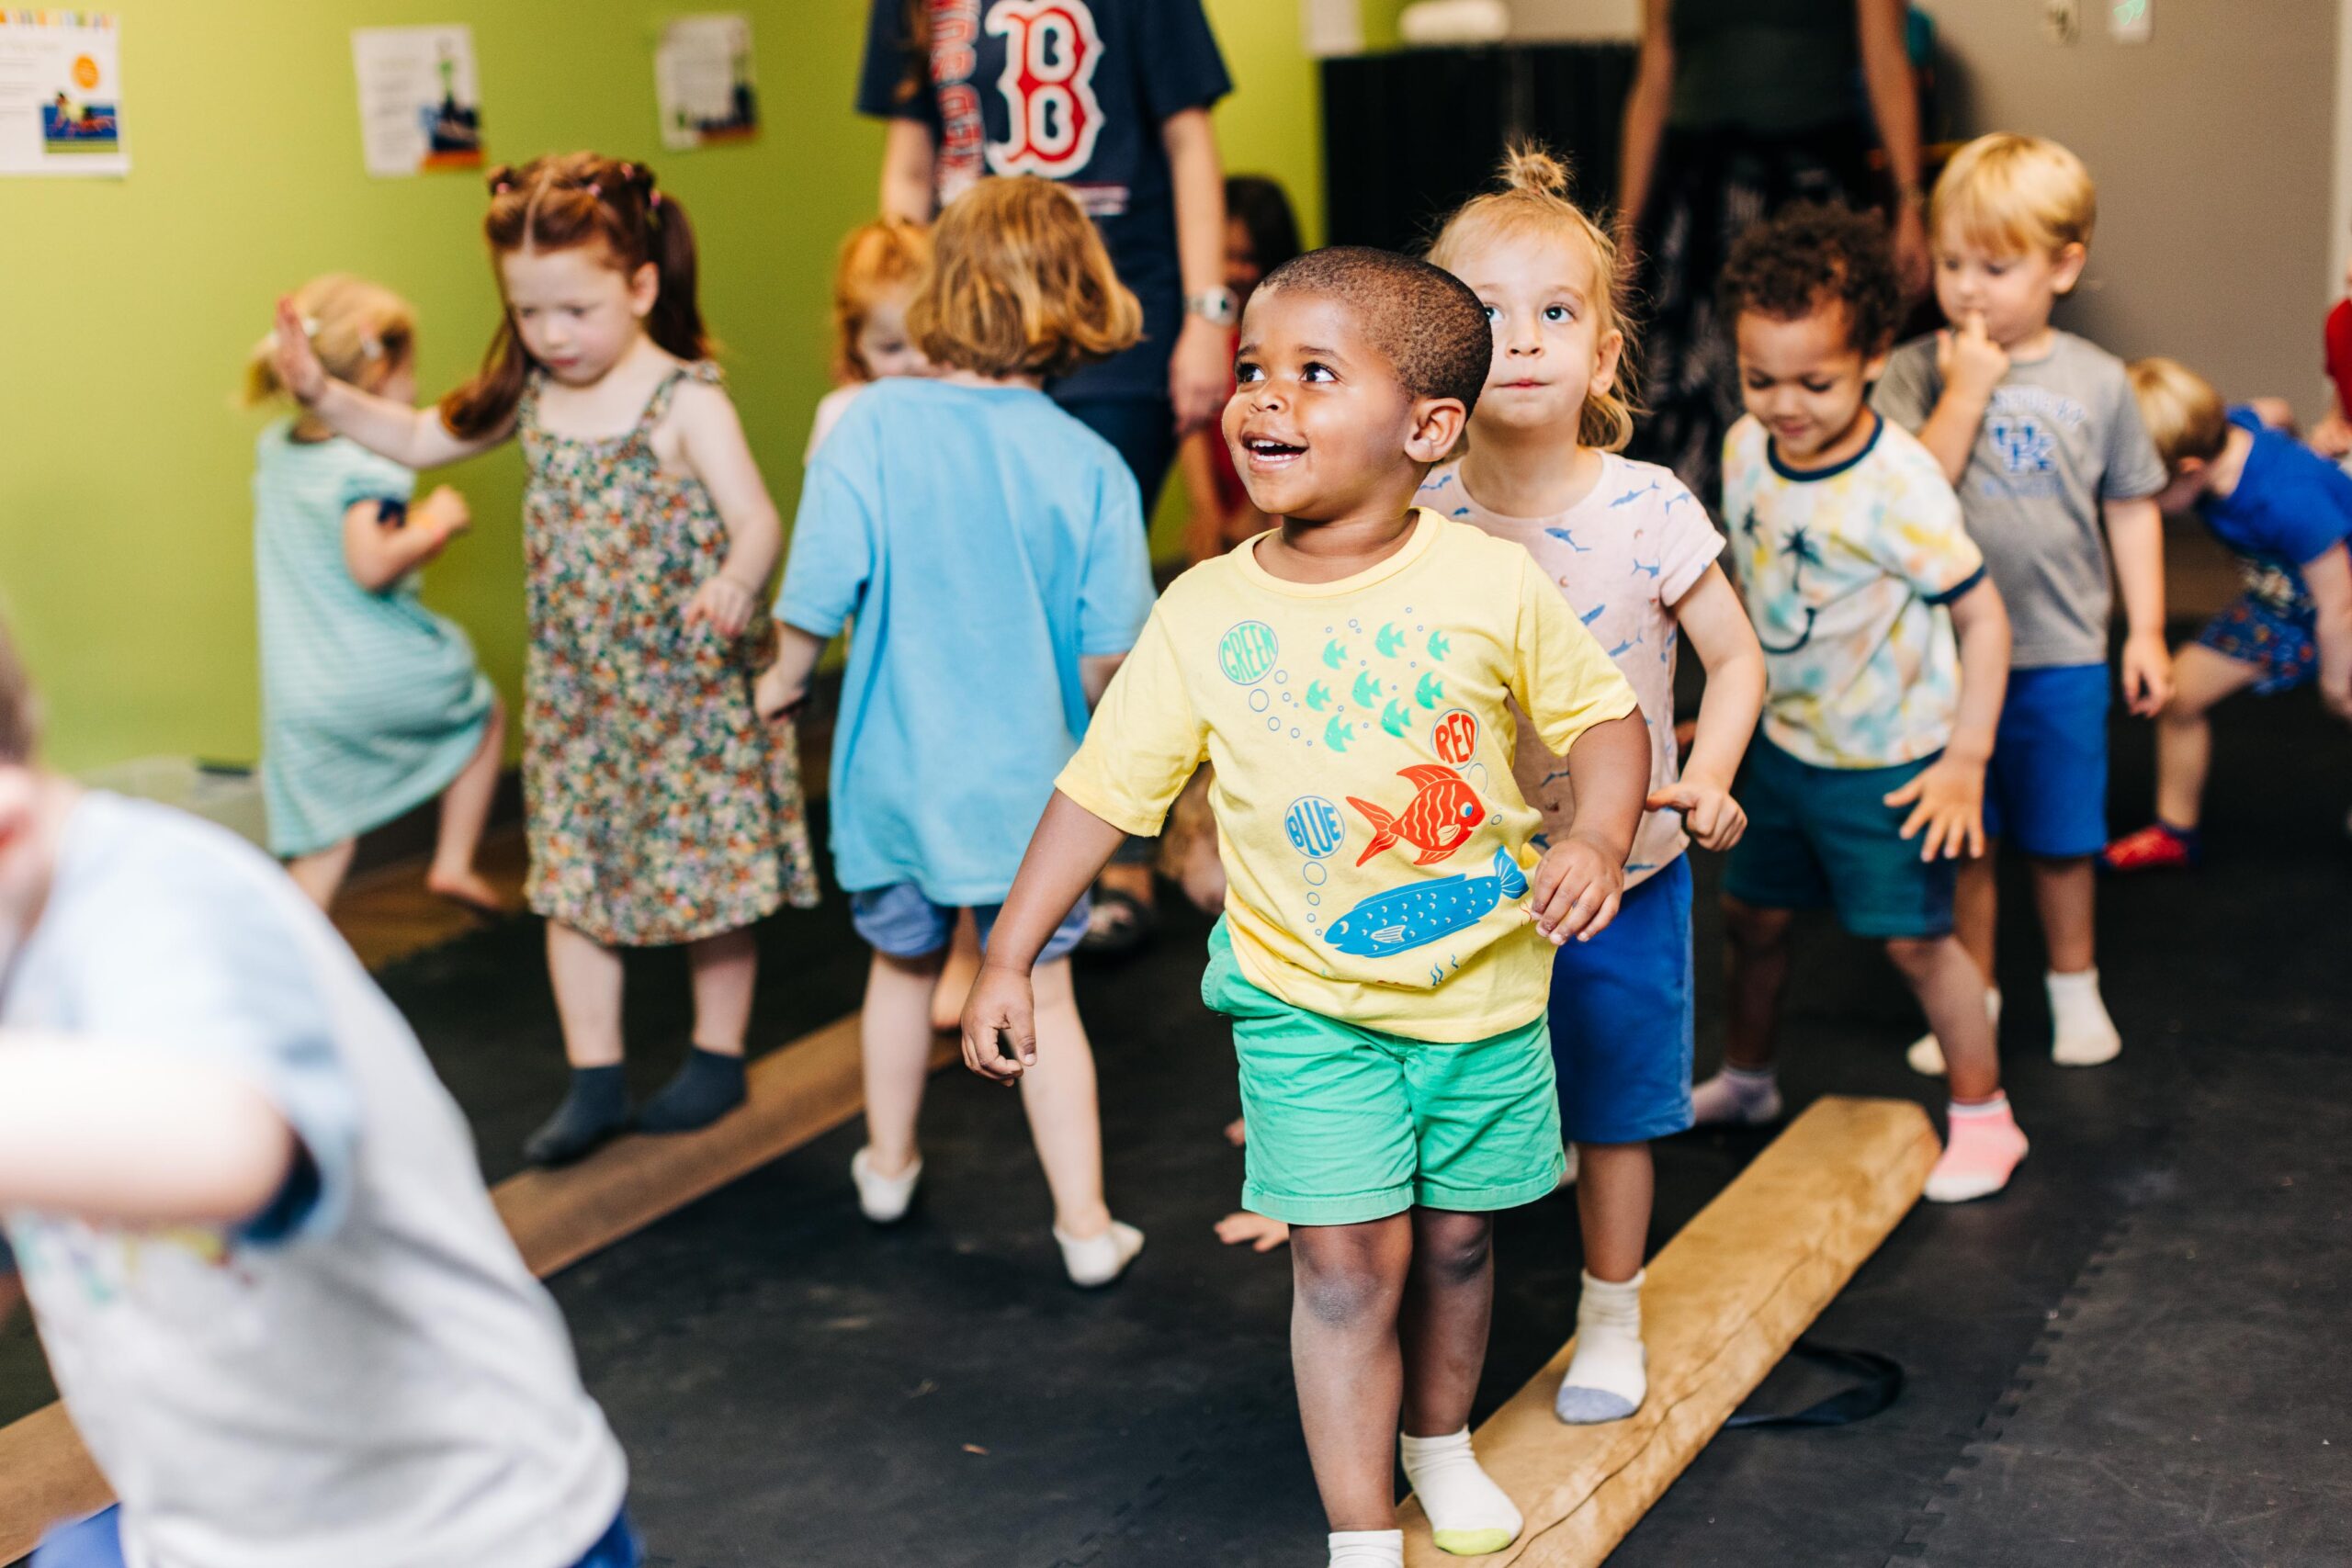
x,y
1437,821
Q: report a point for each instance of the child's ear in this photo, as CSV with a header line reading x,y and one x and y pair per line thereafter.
x,y
1874,366
1607,355
1438,424
644,289
19,795
2067,266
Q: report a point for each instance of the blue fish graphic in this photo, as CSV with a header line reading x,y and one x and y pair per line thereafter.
x,y
1421,912
1570,540
1593,615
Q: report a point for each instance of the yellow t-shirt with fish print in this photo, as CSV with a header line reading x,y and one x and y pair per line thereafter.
x,y
1375,845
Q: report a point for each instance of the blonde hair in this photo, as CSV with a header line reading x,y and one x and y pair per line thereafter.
x,y
876,258
20,709
2008,195
1020,285
358,328
2184,414
1533,199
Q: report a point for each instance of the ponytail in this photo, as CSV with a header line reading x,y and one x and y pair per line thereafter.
x,y
580,199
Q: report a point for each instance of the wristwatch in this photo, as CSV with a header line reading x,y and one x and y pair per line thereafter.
x,y
1218,306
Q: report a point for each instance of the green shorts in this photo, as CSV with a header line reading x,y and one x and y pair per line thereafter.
x,y
1350,1125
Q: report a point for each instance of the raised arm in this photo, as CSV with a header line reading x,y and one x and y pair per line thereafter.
x,y
1894,105
712,443
1645,111
129,1134
908,173
2135,534
412,437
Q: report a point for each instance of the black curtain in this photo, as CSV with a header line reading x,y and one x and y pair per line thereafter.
x,y
1407,136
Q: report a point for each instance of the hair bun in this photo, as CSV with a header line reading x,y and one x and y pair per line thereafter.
x,y
499,178
1530,168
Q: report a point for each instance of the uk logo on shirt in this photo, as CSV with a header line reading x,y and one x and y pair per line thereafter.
x,y
2025,444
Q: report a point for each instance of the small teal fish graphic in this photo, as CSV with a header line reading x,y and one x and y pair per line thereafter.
x,y
1431,692
1438,645
1367,692
1337,735
1390,641
1333,654
1318,695
1396,719
1421,912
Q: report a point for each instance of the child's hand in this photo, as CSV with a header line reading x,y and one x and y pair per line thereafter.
x,y
2147,673
1262,1234
1969,357
1713,819
1947,801
1577,890
725,603
444,512
1001,1006
773,697
2332,436
298,368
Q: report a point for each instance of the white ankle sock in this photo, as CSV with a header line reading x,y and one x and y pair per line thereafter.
x,y
1609,1376
1739,1097
1926,1053
1469,1515
1367,1549
2082,1035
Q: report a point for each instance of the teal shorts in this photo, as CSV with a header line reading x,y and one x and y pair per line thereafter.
x,y
1350,1125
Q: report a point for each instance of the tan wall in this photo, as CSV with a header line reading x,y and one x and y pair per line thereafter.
x,y
2212,146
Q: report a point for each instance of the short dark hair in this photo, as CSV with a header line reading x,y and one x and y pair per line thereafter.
x,y
1791,265
19,712
1262,208
1428,323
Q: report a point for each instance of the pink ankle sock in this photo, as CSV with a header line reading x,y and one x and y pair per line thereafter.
x,y
1983,1151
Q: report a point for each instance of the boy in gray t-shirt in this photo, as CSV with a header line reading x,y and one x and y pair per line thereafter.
x,y
277,1302
2038,432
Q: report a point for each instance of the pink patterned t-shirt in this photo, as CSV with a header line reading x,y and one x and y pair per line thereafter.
x,y
1622,556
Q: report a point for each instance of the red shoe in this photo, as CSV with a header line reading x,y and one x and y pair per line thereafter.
x,y
2153,848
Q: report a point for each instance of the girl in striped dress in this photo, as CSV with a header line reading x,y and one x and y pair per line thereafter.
x,y
372,704
662,812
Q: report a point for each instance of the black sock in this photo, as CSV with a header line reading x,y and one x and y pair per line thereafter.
x,y
707,1087
592,1111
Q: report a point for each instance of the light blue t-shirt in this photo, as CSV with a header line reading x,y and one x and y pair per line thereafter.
x,y
984,542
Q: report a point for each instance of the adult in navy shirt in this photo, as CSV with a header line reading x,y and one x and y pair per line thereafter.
x,y
1111,99
2286,512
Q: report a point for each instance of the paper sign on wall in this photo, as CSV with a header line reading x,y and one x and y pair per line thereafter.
x,y
61,94
2130,21
702,75
419,101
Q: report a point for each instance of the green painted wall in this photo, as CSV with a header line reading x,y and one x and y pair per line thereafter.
x,y
125,557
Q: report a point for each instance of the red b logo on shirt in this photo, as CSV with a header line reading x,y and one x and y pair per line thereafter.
x,y
1458,736
1051,49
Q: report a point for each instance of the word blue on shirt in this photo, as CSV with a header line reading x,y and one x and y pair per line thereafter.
x,y
984,542
1075,92
2291,505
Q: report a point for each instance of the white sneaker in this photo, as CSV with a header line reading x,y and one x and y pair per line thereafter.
x,y
1096,1260
883,1199
1926,1054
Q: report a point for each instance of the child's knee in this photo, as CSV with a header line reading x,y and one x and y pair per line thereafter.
x,y
1754,931
922,967
1456,1254
1917,956
1341,1284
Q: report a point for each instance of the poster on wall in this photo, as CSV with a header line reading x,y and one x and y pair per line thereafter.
x,y
702,76
419,101
61,94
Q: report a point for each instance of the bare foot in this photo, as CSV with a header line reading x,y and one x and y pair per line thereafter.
x,y
470,888
1237,1131
1262,1234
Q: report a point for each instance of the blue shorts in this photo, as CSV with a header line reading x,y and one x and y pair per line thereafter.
x,y
96,1542
2045,792
1621,1018
2281,640
1824,838
897,921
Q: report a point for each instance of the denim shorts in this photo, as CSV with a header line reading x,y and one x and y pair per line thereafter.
x,y
897,921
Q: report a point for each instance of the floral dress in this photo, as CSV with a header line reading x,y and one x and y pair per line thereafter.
x,y
660,809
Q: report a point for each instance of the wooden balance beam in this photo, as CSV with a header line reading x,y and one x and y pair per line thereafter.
x,y
1724,1301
